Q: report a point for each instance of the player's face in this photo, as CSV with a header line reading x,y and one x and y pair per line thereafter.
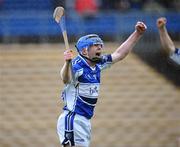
x,y
95,51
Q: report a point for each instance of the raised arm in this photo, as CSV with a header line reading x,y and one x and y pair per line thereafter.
x,y
165,39
122,51
66,71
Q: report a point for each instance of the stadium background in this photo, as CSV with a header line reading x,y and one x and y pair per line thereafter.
x,y
139,101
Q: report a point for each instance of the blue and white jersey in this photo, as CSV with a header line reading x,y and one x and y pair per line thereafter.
x,y
81,94
175,57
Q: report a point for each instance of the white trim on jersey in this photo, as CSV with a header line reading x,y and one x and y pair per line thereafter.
x,y
105,66
89,90
78,73
70,96
175,58
84,61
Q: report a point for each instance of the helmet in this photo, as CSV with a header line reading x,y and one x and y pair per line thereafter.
x,y
87,41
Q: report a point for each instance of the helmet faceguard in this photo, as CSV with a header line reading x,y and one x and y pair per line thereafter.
x,y
87,41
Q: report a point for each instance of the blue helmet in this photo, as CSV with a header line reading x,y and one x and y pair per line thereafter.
x,y
87,41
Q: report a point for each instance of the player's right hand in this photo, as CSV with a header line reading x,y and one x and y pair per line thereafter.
x,y
68,55
161,22
140,27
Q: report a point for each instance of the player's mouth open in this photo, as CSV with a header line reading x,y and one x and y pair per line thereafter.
x,y
98,54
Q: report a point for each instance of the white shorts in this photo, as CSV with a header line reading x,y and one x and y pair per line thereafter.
x,y
74,129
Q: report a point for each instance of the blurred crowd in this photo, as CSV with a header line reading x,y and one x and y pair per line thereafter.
x,y
89,8
147,5
94,6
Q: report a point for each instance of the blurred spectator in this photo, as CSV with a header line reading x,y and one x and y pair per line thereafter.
x,y
169,48
172,5
86,8
57,3
1,3
166,3
136,4
115,4
123,5
153,6
147,5
176,5
107,4
70,7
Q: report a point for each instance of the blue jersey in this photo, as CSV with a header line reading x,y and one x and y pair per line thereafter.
x,y
175,57
81,94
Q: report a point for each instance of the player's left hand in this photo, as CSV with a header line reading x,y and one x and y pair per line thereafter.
x,y
140,27
161,22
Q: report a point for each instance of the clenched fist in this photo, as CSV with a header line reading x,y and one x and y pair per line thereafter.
x,y
68,55
161,22
140,27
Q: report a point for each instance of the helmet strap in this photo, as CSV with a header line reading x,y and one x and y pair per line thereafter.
x,y
94,59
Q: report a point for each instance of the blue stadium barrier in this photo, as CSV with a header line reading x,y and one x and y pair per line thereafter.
x,y
26,5
31,23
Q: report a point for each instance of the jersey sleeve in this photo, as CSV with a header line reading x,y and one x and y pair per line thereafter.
x,y
175,57
77,70
106,62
